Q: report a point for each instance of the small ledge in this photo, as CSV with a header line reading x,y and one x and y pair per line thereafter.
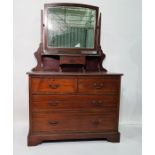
x,y
57,53
73,73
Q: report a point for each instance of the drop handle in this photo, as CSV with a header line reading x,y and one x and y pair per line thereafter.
x,y
97,103
53,103
53,123
53,86
98,85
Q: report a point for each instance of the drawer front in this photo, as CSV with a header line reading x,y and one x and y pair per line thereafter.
x,y
73,122
98,86
72,60
74,102
52,85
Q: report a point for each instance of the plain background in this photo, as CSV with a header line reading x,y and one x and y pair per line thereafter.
x,y
120,41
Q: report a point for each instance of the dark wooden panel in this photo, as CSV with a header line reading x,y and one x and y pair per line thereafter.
x,y
50,63
53,122
53,85
71,68
72,60
74,102
92,64
98,86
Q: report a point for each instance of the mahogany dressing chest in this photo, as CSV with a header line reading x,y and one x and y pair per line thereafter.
x,y
71,95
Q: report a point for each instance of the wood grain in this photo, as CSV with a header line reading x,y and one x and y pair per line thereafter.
x,y
74,102
71,121
73,105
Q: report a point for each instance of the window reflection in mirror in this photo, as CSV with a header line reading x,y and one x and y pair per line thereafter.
x,y
70,27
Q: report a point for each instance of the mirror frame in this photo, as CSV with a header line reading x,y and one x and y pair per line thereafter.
x,y
76,50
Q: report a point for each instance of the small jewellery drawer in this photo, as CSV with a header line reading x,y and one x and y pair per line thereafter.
x,y
53,85
98,86
53,122
74,102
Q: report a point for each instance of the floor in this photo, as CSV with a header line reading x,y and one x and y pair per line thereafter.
x,y
130,144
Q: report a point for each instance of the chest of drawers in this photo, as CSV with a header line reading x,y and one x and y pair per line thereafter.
x,y
73,106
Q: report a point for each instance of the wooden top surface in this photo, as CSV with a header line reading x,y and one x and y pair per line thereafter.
x,y
73,73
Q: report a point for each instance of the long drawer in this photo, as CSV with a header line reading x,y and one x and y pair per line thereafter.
x,y
98,86
74,102
53,85
53,122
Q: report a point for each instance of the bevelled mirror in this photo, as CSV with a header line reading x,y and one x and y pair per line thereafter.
x,y
70,27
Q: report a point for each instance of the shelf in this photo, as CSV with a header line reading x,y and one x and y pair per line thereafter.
x,y
59,53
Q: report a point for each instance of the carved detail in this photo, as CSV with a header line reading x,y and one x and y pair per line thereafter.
x,y
102,55
33,140
38,56
101,58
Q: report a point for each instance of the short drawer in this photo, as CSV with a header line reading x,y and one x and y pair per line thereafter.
x,y
74,102
98,86
53,85
83,122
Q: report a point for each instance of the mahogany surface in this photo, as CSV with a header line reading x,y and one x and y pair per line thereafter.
x,y
76,102
66,108
71,95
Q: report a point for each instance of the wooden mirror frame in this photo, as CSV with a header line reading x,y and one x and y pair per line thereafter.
x,y
58,51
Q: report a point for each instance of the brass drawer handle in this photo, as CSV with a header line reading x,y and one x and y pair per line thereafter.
x,y
98,85
53,123
53,86
97,103
53,103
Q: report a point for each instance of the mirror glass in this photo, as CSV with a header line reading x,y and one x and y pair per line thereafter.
x,y
70,27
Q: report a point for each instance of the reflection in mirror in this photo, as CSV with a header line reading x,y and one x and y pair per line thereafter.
x,y
70,27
